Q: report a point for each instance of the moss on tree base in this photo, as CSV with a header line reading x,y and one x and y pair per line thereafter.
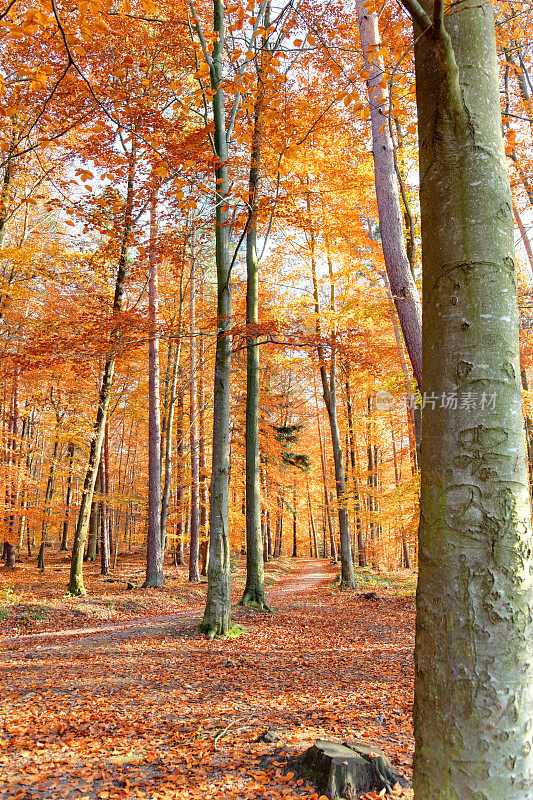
x,y
255,600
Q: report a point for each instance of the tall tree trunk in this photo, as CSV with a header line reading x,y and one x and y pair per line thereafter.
x,y
180,534
406,557
194,549
474,637
68,499
169,427
105,545
361,555
76,586
92,539
48,497
312,521
154,546
217,613
201,451
13,471
402,284
526,242
254,591
327,506
329,393
294,539
528,426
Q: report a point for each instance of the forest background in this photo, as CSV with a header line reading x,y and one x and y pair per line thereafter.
x,y
112,187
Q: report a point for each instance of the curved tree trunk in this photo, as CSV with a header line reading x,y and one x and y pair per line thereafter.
x,y
402,285
76,586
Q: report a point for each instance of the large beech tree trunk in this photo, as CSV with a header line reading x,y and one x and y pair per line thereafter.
x,y
154,546
474,631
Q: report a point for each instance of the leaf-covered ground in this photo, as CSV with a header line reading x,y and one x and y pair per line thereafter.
x,y
152,709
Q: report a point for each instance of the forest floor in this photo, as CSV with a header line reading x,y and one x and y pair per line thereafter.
x,y
117,695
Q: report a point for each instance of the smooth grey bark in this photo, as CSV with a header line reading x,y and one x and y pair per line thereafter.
x,y
169,427
361,555
13,473
194,548
406,556
105,538
48,497
180,534
403,287
217,613
254,591
474,631
329,393
64,538
204,534
92,537
294,524
314,542
327,506
155,575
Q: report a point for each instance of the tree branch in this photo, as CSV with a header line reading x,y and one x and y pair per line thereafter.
x,y
422,19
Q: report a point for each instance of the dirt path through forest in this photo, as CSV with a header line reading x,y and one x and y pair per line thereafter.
x,y
303,577
151,709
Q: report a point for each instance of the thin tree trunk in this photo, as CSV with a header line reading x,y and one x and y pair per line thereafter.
x,y
64,539
180,536
294,539
48,497
327,507
217,613
201,451
154,550
76,586
254,591
361,555
526,242
194,549
330,401
528,425
312,521
402,284
105,548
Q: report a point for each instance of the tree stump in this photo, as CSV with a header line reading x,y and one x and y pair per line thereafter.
x,y
350,769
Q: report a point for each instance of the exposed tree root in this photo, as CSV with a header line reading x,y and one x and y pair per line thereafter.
x,y
255,600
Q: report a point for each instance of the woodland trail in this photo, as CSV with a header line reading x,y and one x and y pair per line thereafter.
x,y
159,712
305,575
